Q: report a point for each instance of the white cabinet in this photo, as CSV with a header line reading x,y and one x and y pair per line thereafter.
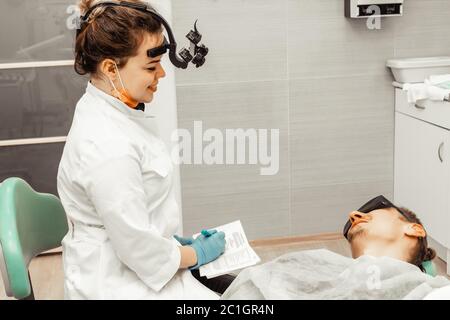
x,y
422,165
422,173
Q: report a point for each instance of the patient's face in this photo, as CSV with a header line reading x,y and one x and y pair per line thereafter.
x,y
380,232
383,224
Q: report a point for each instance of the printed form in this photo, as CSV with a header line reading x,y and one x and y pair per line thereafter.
x,y
238,253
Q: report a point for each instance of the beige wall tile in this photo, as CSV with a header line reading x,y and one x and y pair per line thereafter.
x,y
342,133
322,42
246,38
422,31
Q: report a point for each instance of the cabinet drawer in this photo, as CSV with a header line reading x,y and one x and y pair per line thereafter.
x,y
436,112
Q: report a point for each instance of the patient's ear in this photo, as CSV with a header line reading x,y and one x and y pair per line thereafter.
x,y
415,230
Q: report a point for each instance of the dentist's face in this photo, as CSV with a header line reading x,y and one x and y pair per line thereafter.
x,y
141,74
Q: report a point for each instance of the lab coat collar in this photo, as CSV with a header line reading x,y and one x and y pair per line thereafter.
x,y
116,103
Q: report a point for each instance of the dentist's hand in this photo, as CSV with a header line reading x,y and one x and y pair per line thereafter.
x,y
208,246
184,241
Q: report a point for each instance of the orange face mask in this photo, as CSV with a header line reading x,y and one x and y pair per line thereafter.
x,y
123,94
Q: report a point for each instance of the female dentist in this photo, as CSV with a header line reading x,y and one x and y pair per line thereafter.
x,y
115,175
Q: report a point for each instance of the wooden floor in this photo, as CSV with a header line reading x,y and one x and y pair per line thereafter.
x,y
47,272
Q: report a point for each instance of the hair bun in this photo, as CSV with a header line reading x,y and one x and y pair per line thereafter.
x,y
85,5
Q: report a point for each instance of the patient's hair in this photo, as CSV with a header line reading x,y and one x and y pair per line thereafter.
x,y
112,32
421,252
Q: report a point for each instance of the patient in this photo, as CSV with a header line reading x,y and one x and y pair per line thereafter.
x,y
390,260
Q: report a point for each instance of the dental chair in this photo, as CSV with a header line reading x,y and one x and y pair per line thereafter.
x,y
30,223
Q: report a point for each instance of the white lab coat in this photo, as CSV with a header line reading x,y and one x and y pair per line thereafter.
x,y
115,183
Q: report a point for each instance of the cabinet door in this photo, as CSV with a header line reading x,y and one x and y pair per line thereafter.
x,y
422,173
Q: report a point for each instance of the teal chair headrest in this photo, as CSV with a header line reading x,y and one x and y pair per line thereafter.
x,y
429,268
30,223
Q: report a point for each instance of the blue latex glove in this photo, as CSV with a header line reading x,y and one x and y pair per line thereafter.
x,y
208,246
188,240
184,241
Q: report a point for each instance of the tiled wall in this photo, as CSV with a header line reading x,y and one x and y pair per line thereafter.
x,y
302,67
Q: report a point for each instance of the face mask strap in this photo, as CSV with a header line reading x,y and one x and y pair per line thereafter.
x,y
120,78
123,95
112,83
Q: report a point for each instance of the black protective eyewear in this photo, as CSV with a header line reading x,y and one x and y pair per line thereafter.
x,y
376,203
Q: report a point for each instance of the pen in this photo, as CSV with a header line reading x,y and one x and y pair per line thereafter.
x,y
206,233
